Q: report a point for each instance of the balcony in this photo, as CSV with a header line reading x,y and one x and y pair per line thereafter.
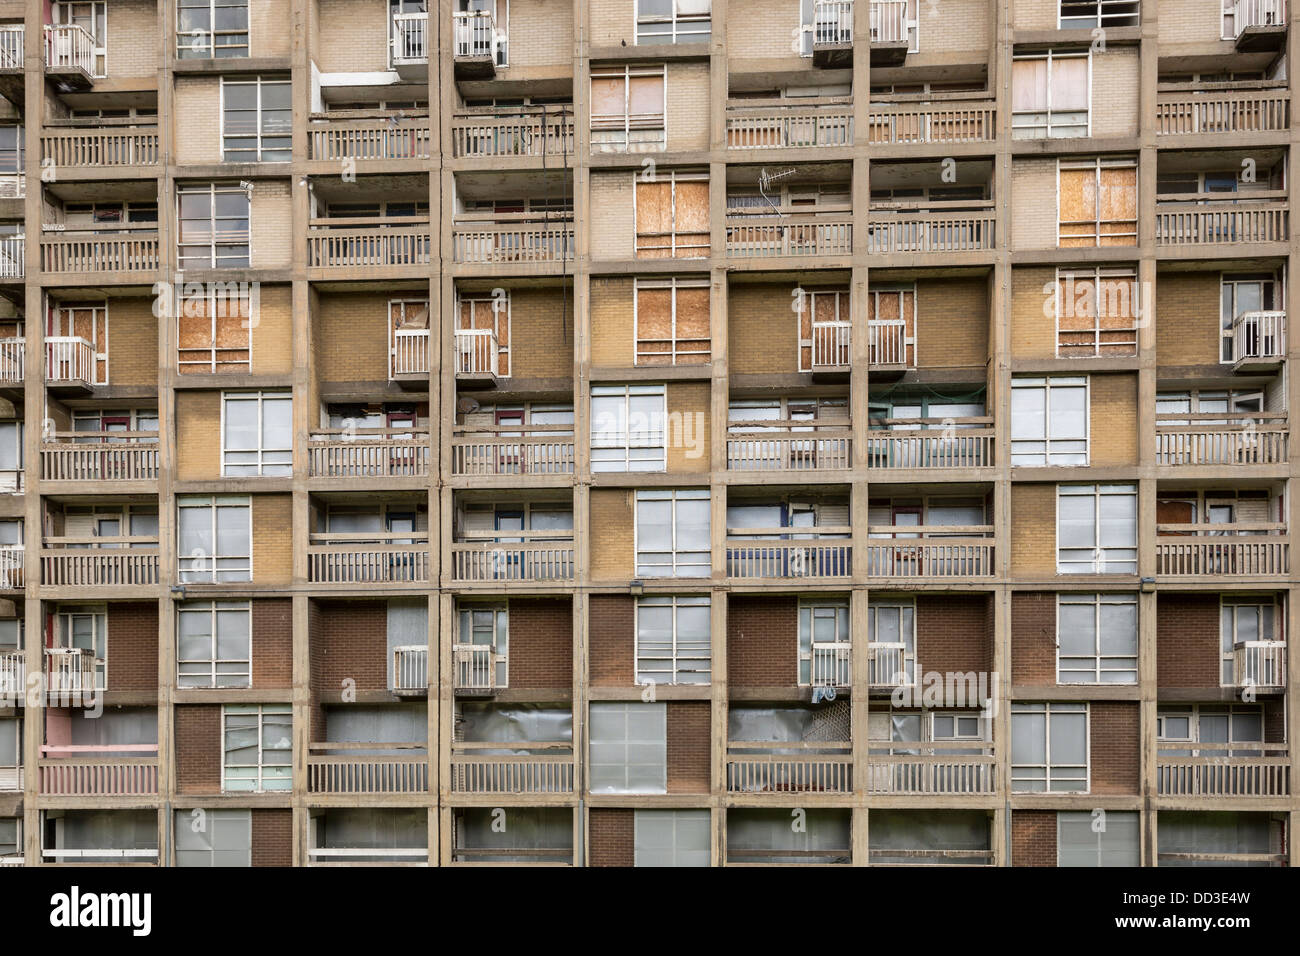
x,y
411,670
70,54
889,347
11,47
13,673
831,349
932,227
522,131
1259,664
1189,113
789,234
70,363
361,243
477,356
98,148
1260,25
93,253
889,666
477,668
13,354
1182,220
766,553
474,44
541,556
931,444
933,551
789,127
513,238
1240,549
70,670
100,456
408,358
381,138
11,566
942,768
11,780
832,33
367,773
789,767
1259,341
368,453
499,768
368,557
902,124
780,446
1245,770
890,40
95,562
1237,438
13,258
410,39
71,772
497,452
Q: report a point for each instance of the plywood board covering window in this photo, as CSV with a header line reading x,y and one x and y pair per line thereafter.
x,y
87,321
1096,312
214,334
672,321
672,216
489,313
891,326
1097,203
824,328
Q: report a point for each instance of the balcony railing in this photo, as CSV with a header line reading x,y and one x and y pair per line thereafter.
x,y
503,451
13,257
769,553
11,566
69,670
768,236
361,856
830,664
889,665
1258,13
780,446
832,22
13,672
11,46
789,127
1242,548
409,354
940,768
1233,770
477,353
931,443
474,667
349,245
368,453
94,148
71,771
368,557
102,252
394,137
13,353
933,551
888,21
100,456
523,237
1236,438
1258,340
956,122
543,556
411,669
1259,664
1198,222
367,773
1230,111
475,33
99,561
525,131
804,767
491,771
69,47
410,38
888,343
939,227
69,360
11,779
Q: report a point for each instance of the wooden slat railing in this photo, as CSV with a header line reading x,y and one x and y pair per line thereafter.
x,y
513,242
937,228
99,776
822,449
368,453
918,443
1243,548
527,131
394,137
495,772
338,248
1201,223
1245,111
92,456
794,235
367,773
87,252
936,551
769,553
1242,770
945,768
789,767
108,561
532,560
956,122
368,557
789,127
93,148
1255,438
481,451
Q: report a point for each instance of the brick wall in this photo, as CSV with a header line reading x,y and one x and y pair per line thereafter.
x,y
541,34
1190,21
612,837
952,323
351,338
1033,204
1187,640
1188,306
956,25
1033,330
353,37
612,335
952,633
1114,746
132,343
612,554
198,435
272,539
541,643
688,746
763,641
613,227
612,642
762,330
349,639
1115,91
1033,637
198,748
763,29
1033,530
132,39
541,333
272,625
271,225
1033,838
132,645
272,837
272,331
198,119
687,103
688,426
1113,419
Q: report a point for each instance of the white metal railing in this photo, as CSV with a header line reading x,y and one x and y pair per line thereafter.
x,y
410,353
1243,548
832,22
13,672
13,354
474,666
69,670
69,358
830,664
13,257
1258,438
11,46
789,127
521,131
477,352
368,453
410,38
1259,664
1234,770
11,566
92,148
1234,111
68,46
1258,13
768,236
1259,337
888,342
475,33
831,344
907,444
789,767
371,139
889,665
546,768
889,21
411,669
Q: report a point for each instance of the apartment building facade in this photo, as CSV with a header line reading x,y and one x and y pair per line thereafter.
x,y
646,432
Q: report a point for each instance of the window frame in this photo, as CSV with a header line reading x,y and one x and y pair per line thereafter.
x,y
210,573
1047,126
1101,19
606,122
1047,709
814,605
1098,599
188,41
261,778
257,81
1097,164
677,354
1228,641
625,441
629,744
675,655
1050,458
215,303
674,250
675,567
673,20
261,467
181,824
1096,549
1098,276
214,259
1082,816
213,676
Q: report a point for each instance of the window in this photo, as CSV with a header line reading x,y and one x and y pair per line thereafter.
x,y
12,161
1049,421
1050,95
213,644
91,16
629,748
258,748
891,324
483,639
672,215
482,331
214,837
1096,639
1090,14
214,331
891,643
825,325
627,428
256,434
824,643
69,329
214,538
1096,529
672,640
671,837
11,838
211,28
672,321
1207,402
1245,620
672,534
672,21
11,455
1105,838
256,120
85,627
1096,312
1208,730
1239,295
1097,202
1049,748
627,109
11,753
214,226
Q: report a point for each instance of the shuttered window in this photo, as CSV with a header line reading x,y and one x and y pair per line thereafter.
x,y
1050,96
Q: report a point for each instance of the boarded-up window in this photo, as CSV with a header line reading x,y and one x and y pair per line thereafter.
x,y
627,109
1096,312
824,328
214,334
1098,202
77,343
408,337
483,325
672,216
1050,96
891,326
672,321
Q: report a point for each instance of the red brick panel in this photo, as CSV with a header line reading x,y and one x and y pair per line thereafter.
x,y
763,641
272,838
541,643
1033,638
1113,747
688,746
132,647
612,836
1187,640
952,633
349,639
272,630
198,748
612,644
1033,838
